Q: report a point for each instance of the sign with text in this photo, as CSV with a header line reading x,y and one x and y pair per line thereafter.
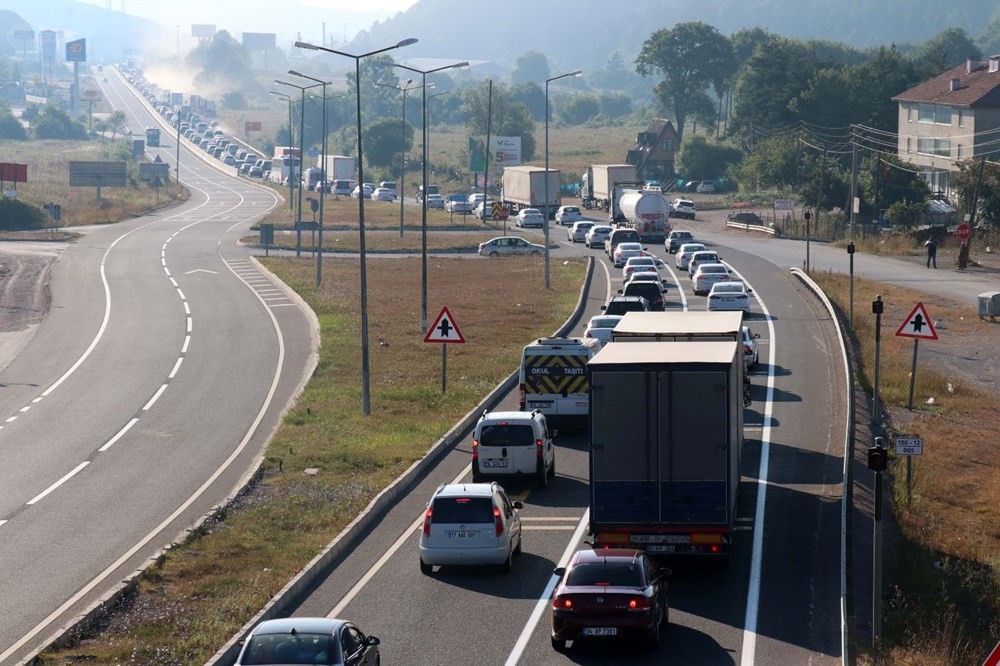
x,y
251,126
24,34
909,446
502,151
784,204
152,170
97,174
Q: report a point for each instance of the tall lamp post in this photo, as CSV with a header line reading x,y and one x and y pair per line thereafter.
x,y
366,407
547,81
402,141
423,201
322,177
302,159
291,142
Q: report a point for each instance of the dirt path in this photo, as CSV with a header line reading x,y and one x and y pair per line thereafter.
x,y
24,295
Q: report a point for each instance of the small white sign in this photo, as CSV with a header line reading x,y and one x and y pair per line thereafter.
x,y
909,446
784,204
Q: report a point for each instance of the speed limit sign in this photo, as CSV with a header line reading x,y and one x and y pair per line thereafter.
x,y
909,446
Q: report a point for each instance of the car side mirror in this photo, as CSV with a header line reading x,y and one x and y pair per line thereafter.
x,y
603,308
749,291
756,336
517,504
372,640
619,291
559,571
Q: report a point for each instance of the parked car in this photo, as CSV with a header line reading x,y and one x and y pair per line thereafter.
x,y
625,251
731,295
435,201
610,594
705,187
702,257
578,232
382,194
530,217
707,275
685,252
751,351
676,238
307,640
600,326
682,208
513,444
505,246
620,304
745,217
597,235
470,524
568,215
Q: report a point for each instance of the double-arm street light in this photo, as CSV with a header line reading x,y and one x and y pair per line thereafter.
x,y
366,407
423,198
547,81
291,142
302,158
322,177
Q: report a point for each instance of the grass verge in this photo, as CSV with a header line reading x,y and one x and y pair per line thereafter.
x,y
210,586
943,572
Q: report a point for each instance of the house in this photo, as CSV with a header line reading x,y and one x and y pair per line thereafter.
x,y
952,117
653,155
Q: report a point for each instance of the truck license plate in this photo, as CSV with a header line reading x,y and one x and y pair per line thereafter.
x,y
660,548
540,404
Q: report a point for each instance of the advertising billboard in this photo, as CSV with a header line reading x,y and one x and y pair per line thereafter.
x,y
503,151
48,38
90,174
76,51
259,41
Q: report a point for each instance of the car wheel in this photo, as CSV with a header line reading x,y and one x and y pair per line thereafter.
x,y
517,551
508,565
536,253
756,359
425,568
543,478
552,470
558,645
494,253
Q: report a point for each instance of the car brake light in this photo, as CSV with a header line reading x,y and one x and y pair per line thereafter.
x,y
639,604
497,520
747,349
539,447
475,449
427,522
562,602
588,334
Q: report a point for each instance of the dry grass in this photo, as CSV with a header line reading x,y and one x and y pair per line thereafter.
x,y
945,575
213,584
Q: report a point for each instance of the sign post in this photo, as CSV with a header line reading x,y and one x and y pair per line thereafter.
x,y
445,331
917,325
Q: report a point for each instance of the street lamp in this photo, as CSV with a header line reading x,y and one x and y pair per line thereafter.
x,y
547,81
322,177
302,159
291,143
423,200
365,371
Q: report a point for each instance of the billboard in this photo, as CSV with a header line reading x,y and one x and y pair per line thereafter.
x,y
76,51
503,151
48,38
100,174
203,30
90,95
13,173
28,35
251,126
259,41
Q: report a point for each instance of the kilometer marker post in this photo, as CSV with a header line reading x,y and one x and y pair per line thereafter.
x,y
445,331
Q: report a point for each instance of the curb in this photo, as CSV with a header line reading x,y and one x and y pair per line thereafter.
x,y
381,503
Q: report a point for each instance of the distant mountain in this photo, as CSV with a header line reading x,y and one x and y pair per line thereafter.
x,y
585,32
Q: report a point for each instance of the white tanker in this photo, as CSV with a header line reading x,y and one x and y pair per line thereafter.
x,y
646,211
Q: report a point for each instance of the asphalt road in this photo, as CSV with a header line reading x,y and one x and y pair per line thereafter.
x,y
143,396
776,602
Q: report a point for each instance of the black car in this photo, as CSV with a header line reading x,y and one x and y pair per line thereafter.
x,y
619,305
307,640
745,217
651,291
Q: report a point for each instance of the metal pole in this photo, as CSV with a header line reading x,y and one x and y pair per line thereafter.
x,y
852,286
444,368
877,308
546,220
913,376
486,161
302,161
291,143
322,196
423,205
366,406
877,573
402,164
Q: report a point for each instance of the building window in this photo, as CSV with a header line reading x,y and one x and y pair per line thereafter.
x,y
668,145
934,147
958,154
934,114
961,118
909,113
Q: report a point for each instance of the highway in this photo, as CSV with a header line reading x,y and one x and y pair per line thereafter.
x,y
144,396
778,600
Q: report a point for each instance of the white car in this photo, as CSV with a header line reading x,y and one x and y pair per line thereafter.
x,y
751,351
382,194
639,263
677,237
707,275
476,198
702,257
506,246
600,327
705,187
684,254
460,206
358,189
731,295
506,444
470,524
626,251
578,232
597,235
482,211
530,217
682,208
568,215
435,201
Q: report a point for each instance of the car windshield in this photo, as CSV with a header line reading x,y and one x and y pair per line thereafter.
x,y
605,574
604,322
506,434
285,648
462,510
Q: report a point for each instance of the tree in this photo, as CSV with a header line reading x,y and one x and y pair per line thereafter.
x,y
578,109
701,158
235,100
905,214
691,58
776,73
510,118
11,128
53,123
532,96
383,143
945,50
221,58
531,67
822,170
615,105
988,202
886,179
773,164
118,122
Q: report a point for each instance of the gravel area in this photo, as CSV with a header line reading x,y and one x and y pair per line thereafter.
x,y
24,295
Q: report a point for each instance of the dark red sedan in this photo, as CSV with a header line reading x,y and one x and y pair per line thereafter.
x,y
609,593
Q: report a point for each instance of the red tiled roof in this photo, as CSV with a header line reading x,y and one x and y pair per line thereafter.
x,y
980,87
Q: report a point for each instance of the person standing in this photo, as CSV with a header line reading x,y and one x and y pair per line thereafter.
x,y
963,256
931,252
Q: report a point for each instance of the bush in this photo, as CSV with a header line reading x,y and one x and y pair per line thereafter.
x,y
11,128
18,216
53,123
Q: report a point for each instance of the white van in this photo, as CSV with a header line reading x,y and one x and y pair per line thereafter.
x,y
553,377
513,444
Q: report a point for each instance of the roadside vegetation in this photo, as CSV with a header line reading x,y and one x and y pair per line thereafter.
x,y
217,580
942,575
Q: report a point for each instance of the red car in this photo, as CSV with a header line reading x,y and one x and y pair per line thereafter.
x,y
610,593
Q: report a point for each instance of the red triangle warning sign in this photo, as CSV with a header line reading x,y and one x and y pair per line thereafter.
x,y
918,325
444,329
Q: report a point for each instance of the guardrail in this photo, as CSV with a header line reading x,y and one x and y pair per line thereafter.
x,y
752,227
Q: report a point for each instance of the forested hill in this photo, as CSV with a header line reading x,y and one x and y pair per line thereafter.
x,y
585,32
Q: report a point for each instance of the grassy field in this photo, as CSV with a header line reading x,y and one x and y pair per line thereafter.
x,y
214,583
943,578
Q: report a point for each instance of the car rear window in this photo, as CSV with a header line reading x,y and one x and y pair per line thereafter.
x,y
648,289
462,510
618,574
506,434
285,648
625,235
714,269
621,307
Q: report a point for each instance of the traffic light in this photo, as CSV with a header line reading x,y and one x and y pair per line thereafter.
x,y
850,247
878,456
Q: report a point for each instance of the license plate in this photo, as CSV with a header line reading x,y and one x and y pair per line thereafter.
x,y
660,548
462,535
540,404
494,463
600,631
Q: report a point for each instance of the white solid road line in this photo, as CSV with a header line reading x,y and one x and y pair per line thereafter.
x,y
543,599
121,433
58,483
387,555
680,289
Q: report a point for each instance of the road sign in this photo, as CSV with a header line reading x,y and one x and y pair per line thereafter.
x,y
909,446
917,325
444,329
784,204
76,51
497,207
994,657
963,232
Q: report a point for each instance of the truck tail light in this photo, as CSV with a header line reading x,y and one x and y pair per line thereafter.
x,y
498,521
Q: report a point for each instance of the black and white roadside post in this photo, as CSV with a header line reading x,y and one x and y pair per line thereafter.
x,y
850,254
877,308
878,462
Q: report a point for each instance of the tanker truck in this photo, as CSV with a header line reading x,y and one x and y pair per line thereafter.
x,y
646,211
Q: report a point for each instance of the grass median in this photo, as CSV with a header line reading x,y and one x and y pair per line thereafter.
x,y
328,461
943,569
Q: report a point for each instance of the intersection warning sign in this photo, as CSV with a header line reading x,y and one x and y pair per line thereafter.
x,y
444,329
917,325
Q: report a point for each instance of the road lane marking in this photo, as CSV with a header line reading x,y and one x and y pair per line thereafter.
x,y
387,555
121,433
556,528
543,600
177,366
58,483
547,518
156,396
